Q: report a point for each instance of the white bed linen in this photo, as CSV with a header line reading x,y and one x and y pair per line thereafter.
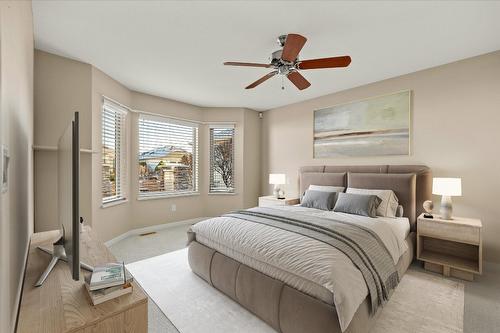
x,y
306,264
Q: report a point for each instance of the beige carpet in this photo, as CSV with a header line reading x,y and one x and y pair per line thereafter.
x,y
422,302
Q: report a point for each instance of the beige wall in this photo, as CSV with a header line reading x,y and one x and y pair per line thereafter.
x,y
111,220
247,159
251,158
61,87
455,131
217,204
157,211
142,213
82,87
16,133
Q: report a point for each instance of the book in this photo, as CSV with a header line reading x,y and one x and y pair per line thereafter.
x,y
107,275
101,295
106,294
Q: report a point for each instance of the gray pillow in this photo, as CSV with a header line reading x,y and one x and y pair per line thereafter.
x,y
319,199
358,204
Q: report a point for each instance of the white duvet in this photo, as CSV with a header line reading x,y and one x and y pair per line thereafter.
x,y
306,264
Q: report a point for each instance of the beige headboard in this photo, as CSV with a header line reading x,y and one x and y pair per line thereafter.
x,y
411,183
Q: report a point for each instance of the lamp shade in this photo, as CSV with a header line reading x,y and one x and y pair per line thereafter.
x,y
447,186
277,178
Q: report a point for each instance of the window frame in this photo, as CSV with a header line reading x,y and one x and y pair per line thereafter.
x,y
196,157
211,191
122,160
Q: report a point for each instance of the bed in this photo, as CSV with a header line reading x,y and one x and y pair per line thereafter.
x,y
288,265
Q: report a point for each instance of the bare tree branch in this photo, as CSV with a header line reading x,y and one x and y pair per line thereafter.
x,y
223,161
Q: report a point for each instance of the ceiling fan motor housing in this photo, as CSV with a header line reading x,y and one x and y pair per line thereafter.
x,y
283,67
276,56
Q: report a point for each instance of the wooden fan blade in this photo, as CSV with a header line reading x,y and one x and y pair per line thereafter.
x,y
293,45
332,62
262,79
298,80
246,64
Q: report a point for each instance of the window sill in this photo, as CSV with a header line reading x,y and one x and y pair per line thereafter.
x,y
167,196
222,193
114,203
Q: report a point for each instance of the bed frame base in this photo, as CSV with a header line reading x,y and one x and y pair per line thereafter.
x,y
285,309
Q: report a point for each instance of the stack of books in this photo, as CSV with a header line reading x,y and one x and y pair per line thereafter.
x,y
108,281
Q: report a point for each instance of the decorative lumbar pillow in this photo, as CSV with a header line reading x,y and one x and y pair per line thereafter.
x,y
389,204
358,204
319,199
326,188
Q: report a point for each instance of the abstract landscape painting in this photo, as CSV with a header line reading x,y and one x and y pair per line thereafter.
x,y
373,127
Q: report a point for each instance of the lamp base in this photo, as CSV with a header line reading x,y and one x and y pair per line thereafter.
x,y
446,208
276,191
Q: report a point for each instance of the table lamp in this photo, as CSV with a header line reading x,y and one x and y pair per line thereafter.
x,y
447,187
277,179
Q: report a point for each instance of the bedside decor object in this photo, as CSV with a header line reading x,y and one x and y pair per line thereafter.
x,y
278,179
428,207
447,187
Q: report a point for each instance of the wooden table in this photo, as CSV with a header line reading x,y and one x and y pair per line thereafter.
x,y
451,247
63,305
271,200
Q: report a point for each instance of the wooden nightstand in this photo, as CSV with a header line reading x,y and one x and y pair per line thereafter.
x,y
451,247
269,201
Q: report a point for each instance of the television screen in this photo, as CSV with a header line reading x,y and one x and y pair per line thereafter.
x,y
68,194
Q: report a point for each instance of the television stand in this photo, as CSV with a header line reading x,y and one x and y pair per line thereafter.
x,y
57,253
62,305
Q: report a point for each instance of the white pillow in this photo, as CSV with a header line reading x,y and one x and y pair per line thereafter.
x,y
325,188
389,204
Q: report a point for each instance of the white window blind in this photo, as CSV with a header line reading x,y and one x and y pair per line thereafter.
x,y
221,159
168,156
113,152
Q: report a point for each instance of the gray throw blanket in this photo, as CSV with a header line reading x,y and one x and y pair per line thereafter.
x,y
361,245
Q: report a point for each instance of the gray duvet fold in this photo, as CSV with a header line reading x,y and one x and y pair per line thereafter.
x,y
360,244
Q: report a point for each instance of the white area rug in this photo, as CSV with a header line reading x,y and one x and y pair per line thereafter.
x,y
422,302
190,303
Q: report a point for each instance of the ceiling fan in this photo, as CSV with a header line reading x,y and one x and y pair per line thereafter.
x,y
286,62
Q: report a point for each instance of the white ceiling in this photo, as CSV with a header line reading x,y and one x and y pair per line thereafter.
x,y
176,49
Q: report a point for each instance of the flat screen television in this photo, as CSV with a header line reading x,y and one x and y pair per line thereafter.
x,y
67,247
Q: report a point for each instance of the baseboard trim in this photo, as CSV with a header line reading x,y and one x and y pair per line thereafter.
x,y
19,296
152,228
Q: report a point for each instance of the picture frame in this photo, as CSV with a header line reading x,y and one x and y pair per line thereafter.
x,y
370,127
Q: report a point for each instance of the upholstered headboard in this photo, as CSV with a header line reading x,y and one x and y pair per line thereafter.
x,y
412,184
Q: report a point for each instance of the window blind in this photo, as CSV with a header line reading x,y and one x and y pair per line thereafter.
x,y
221,159
168,156
113,152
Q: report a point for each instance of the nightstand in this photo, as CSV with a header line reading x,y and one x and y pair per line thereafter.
x,y
450,247
269,201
